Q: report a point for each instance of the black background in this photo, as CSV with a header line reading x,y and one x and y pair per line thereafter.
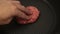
x,y
56,5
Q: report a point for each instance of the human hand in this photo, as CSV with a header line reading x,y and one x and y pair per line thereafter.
x,y
9,9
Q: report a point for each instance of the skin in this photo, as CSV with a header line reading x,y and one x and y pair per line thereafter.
x,y
10,9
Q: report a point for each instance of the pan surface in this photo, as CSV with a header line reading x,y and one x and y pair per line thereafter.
x,y
44,25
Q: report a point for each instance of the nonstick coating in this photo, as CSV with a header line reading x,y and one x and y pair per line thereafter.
x,y
44,25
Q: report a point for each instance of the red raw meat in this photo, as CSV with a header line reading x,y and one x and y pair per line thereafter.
x,y
34,16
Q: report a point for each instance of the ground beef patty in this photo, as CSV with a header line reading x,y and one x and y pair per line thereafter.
x,y
34,16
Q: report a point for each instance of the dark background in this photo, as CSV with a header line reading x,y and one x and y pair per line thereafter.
x,y
55,4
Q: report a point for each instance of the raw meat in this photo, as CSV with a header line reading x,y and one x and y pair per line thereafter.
x,y
34,16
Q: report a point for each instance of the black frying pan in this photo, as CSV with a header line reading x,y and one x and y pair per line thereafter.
x,y
44,25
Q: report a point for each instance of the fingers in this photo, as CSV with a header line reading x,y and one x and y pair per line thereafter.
x,y
21,10
22,15
21,7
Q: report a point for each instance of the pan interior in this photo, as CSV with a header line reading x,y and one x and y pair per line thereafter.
x,y
41,26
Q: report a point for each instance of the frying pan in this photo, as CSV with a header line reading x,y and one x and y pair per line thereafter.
x,y
45,24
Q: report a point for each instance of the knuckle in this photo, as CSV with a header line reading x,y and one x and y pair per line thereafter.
x,y
18,1
15,1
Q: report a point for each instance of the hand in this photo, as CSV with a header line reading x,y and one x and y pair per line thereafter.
x,y
9,9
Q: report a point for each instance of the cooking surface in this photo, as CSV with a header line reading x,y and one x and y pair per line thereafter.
x,y
43,25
